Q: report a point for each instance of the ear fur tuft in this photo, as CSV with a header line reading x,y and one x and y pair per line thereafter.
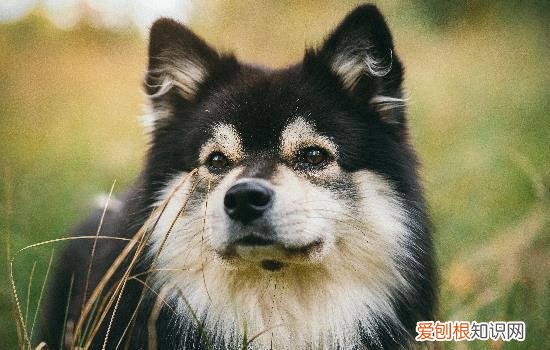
x,y
360,53
177,59
361,48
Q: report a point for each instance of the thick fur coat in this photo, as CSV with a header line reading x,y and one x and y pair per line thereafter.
x,y
281,208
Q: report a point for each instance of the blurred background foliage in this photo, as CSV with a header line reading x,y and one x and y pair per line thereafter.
x,y
478,83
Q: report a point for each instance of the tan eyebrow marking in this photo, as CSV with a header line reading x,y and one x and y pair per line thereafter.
x,y
225,139
300,134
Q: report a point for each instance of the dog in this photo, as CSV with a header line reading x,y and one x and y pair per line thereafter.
x,y
278,208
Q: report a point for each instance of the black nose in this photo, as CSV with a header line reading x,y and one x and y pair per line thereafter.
x,y
247,200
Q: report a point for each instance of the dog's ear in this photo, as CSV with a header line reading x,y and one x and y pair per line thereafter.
x,y
179,61
360,53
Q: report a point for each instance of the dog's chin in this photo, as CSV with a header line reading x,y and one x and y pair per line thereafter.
x,y
272,256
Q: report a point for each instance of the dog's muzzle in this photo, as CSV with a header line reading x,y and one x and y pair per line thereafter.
x,y
253,238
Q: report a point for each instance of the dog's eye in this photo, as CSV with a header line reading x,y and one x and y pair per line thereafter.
x,y
217,161
314,156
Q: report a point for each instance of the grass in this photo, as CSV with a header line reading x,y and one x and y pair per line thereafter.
x,y
479,103
109,300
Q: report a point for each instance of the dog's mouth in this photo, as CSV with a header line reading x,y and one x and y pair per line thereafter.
x,y
272,265
252,240
270,254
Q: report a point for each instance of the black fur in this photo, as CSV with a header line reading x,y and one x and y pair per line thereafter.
x,y
259,101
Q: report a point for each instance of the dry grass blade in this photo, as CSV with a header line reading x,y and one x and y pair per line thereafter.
x,y
62,341
245,335
17,325
257,335
95,243
68,239
152,342
154,270
202,239
117,294
41,346
101,285
29,292
158,295
97,292
178,215
182,209
7,208
41,293
18,305
94,314
125,279
196,319
140,236
23,324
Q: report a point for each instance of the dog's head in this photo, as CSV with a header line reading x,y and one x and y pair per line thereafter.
x,y
303,174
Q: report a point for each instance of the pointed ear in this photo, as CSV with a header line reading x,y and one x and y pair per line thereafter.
x,y
360,53
179,61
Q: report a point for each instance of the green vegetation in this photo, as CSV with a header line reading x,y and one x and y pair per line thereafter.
x,y
479,91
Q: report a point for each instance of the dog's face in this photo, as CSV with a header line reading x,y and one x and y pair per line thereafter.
x,y
300,178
